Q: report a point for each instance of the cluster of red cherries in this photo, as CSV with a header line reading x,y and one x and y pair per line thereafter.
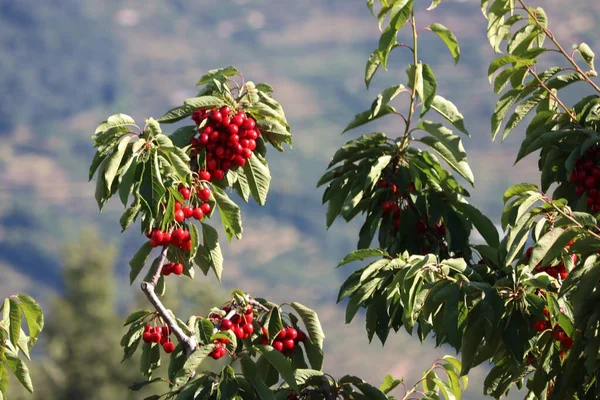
x,y
159,334
555,271
240,324
172,268
558,334
586,177
178,237
286,340
197,206
229,140
394,206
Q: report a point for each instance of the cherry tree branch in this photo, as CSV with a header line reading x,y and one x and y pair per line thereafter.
x,y
148,287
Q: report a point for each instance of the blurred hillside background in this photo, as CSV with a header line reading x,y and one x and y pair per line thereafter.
x,y
66,65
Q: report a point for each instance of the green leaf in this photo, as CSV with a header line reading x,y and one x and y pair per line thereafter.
x,y
429,88
372,65
390,383
361,254
259,179
211,244
543,245
448,110
482,223
218,74
448,146
368,116
518,189
179,160
448,38
587,54
312,323
250,372
191,364
136,316
231,216
183,136
114,161
116,120
130,214
517,61
152,189
281,364
399,14
126,180
19,369
15,321
33,316
204,102
273,323
139,260
356,146
274,132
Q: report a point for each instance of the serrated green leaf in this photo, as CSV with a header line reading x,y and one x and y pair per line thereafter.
x,y
259,179
367,116
34,317
19,369
281,364
448,146
138,261
448,38
116,120
448,110
204,102
211,244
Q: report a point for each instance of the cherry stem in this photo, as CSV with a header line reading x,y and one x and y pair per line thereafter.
x,y
148,287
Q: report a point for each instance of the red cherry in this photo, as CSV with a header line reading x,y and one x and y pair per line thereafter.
x,y
206,208
178,205
596,173
590,182
186,245
421,227
156,337
237,120
204,194
233,129
557,333
197,214
187,211
291,333
203,140
546,313
301,336
579,190
278,345
246,153
589,202
248,318
177,269
289,344
226,325
239,161
539,325
147,328
178,235
225,110
248,328
215,115
166,238
218,174
264,340
168,347
252,144
249,124
282,334
154,243
185,192
204,175
166,269
244,143
198,116
238,332
566,342
147,337
213,138
179,216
